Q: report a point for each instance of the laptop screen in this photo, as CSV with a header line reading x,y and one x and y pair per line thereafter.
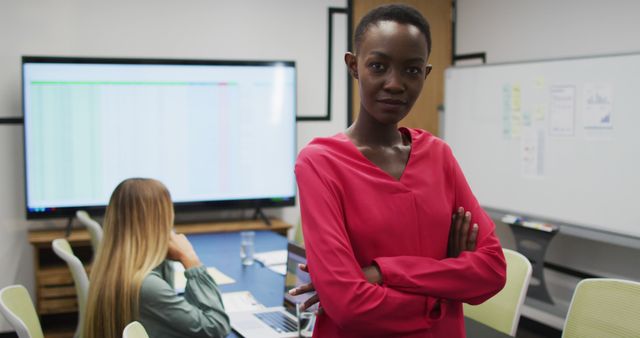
x,y
295,277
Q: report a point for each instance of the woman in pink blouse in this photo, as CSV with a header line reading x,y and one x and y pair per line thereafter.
x,y
384,254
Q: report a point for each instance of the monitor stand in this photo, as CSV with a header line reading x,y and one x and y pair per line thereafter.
x,y
67,230
262,216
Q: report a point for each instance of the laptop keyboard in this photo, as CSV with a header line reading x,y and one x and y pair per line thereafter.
x,y
278,321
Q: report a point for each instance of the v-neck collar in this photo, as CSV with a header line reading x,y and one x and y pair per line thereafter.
x,y
364,159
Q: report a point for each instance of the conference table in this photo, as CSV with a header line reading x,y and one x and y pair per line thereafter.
x,y
222,250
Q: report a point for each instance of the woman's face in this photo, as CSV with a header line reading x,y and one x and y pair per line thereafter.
x,y
391,67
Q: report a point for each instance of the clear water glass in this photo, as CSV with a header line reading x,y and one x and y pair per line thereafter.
x,y
246,247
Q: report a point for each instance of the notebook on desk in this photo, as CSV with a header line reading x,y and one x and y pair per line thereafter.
x,y
281,321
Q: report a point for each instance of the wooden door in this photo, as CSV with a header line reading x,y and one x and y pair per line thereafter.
x,y
424,114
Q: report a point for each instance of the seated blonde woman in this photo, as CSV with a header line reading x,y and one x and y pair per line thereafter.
x,y
131,278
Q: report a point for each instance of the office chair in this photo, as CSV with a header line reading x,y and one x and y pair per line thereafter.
x,y
94,228
62,248
298,237
17,308
604,307
502,311
134,330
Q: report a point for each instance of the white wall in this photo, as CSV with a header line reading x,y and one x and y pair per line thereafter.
x,y
531,30
204,29
509,31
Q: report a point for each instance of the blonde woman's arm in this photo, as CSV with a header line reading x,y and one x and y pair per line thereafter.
x,y
200,313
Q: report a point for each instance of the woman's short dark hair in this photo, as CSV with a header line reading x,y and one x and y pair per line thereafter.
x,y
397,13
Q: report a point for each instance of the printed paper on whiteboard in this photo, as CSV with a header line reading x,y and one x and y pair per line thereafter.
x,y
562,110
516,111
512,116
598,106
532,152
506,111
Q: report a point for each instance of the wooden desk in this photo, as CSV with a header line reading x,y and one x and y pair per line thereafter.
x,y
56,301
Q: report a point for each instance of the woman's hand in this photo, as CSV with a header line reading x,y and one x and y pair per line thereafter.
x,y
462,237
306,288
180,249
371,273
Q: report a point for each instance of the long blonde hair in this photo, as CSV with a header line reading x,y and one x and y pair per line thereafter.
x,y
137,226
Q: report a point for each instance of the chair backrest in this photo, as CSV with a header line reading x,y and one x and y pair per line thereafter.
x,y
298,236
62,248
94,228
17,308
134,330
502,311
604,307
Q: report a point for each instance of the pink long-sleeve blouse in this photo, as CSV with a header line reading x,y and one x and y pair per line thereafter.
x,y
354,215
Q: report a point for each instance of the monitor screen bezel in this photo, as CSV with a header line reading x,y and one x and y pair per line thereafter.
x,y
180,207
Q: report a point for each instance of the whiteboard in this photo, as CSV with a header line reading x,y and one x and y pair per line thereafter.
x,y
555,139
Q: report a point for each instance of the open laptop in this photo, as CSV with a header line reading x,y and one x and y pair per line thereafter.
x,y
281,321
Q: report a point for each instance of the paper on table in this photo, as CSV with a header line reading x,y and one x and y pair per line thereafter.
x,y
180,281
219,276
269,258
240,301
280,269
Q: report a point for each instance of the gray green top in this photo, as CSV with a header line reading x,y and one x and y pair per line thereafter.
x,y
199,313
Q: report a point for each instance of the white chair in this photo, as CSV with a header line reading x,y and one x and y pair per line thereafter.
x,y
62,248
604,307
298,236
502,311
17,308
134,330
94,228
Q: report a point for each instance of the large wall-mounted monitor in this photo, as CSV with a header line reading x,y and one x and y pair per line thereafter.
x,y
219,134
